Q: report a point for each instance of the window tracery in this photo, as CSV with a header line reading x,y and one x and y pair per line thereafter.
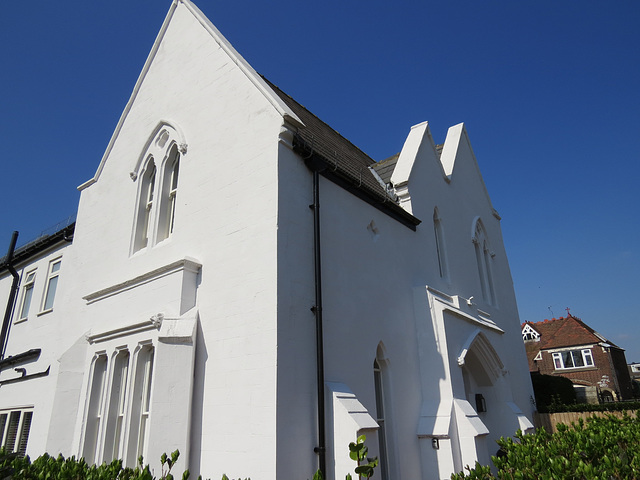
x,y
157,172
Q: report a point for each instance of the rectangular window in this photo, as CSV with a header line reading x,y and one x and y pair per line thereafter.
x,y
14,430
27,293
52,285
573,359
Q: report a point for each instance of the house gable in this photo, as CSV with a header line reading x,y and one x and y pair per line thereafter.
x,y
223,44
459,162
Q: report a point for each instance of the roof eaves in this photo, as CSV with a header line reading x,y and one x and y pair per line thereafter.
x,y
39,245
354,185
340,161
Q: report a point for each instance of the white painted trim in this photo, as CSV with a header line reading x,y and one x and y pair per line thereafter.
x,y
572,348
455,309
123,331
187,264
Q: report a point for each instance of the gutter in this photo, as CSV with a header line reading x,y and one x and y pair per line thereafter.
x,y
353,184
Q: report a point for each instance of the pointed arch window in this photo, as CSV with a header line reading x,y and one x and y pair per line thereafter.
x,y
140,405
440,245
116,406
380,419
484,260
119,405
383,413
158,189
145,206
169,193
94,411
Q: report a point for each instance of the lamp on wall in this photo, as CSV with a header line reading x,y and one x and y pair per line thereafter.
x,y
481,404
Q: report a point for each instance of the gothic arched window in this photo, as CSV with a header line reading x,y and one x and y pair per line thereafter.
x,y
484,260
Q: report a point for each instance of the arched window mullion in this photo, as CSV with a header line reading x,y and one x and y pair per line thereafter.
x,y
169,193
145,206
158,188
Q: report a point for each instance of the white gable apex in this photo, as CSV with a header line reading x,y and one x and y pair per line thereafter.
x,y
224,44
458,159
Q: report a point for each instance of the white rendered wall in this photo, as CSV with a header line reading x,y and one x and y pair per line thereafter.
x,y
368,297
225,219
39,330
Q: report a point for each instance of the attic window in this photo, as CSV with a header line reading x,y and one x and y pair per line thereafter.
x,y
528,333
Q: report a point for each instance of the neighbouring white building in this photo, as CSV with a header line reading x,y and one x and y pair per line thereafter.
x,y
202,301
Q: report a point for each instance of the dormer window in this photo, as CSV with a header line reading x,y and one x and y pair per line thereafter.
x,y
528,333
158,187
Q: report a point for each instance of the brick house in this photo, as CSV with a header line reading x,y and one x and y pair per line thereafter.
x,y
568,347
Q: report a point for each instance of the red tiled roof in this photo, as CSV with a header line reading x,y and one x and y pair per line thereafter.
x,y
563,332
566,331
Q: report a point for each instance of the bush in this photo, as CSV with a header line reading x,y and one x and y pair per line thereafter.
x,y
551,391
593,407
600,448
45,467
14,467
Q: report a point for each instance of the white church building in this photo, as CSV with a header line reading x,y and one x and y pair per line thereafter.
x,y
245,285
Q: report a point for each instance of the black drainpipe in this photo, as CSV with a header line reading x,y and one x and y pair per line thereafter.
x,y
321,449
12,294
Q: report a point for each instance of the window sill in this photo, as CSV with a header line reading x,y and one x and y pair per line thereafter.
x,y
20,320
44,312
576,369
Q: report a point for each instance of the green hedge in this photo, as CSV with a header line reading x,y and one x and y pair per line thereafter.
x,y
46,467
600,448
592,407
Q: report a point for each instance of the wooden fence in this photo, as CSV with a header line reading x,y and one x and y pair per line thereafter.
x,y
550,420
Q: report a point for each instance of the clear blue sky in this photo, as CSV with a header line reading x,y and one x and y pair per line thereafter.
x,y
549,92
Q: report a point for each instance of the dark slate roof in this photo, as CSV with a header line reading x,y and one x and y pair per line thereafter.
x,y
339,160
59,233
384,168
